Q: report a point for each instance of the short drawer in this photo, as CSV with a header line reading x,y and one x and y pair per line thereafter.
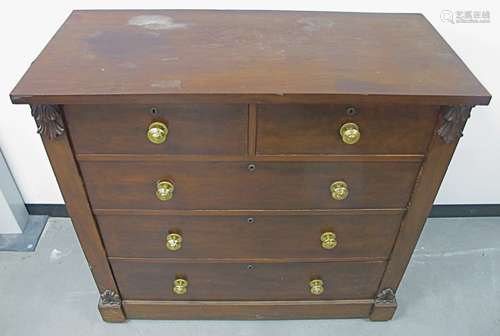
x,y
155,280
316,129
190,128
248,237
232,185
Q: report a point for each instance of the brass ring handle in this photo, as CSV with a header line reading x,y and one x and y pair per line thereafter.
x,y
164,190
350,133
173,241
328,240
339,190
316,287
180,286
157,132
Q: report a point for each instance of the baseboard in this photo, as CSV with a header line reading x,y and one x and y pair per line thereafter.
x,y
438,210
28,239
52,210
465,210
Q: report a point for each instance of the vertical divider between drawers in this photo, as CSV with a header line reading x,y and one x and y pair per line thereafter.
x,y
252,130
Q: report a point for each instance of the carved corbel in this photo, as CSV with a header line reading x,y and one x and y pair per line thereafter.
x,y
386,297
110,299
454,118
48,119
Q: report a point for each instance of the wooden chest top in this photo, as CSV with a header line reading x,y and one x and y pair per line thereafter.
x,y
142,55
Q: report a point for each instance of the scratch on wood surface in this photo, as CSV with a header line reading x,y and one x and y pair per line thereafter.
x,y
167,84
128,65
312,24
169,59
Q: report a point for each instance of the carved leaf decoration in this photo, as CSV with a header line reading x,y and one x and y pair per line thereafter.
x,y
454,118
386,296
110,298
48,119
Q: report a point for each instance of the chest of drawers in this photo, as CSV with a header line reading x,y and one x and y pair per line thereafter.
x,y
248,165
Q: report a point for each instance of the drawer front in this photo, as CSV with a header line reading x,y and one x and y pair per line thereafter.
x,y
154,280
230,185
192,129
249,237
315,129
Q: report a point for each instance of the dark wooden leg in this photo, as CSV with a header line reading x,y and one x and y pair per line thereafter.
x,y
50,122
448,130
385,306
439,155
110,307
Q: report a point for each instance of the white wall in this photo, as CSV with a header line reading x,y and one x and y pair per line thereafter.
x,y
26,26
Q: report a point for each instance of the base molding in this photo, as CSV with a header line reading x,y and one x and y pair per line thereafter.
x,y
111,314
246,310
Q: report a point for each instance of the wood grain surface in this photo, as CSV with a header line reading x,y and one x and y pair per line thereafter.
x,y
246,310
314,129
248,237
230,185
152,280
210,129
146,54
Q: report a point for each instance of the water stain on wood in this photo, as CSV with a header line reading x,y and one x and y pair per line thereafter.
x,y
156,22
116,44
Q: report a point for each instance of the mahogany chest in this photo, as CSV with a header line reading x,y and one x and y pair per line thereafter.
x,y
248,164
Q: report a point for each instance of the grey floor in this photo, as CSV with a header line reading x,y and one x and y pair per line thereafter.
x,y
452,287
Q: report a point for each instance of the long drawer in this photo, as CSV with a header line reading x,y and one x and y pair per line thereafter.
x,y
239,185
247,237
155,280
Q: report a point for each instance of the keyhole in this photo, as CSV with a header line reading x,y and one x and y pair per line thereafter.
x,y
351,111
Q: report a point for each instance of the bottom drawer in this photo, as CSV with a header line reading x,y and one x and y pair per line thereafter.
x,y
154,280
